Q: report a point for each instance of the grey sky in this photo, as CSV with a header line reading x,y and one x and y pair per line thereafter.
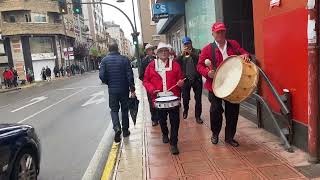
x,y
112,14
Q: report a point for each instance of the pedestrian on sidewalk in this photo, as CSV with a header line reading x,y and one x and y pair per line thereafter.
x,y
56,71
43,74
165,68
188,61
145,62
15,77
30,76
116,72
48,73
217,52
62,71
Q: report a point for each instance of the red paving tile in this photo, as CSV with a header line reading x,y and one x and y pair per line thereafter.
x,y
191,156
204,177
279,172
160,160
241,175
231,164
194,168
258,159
167,171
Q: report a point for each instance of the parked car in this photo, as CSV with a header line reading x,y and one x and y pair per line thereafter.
x,y
20,152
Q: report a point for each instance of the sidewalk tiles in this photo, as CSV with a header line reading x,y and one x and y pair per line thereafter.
x,y
144,156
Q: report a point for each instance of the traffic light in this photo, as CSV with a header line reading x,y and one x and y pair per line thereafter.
x,y
63,7
76,4
135,37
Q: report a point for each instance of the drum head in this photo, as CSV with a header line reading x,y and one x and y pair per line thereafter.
x,y
166,98
227,76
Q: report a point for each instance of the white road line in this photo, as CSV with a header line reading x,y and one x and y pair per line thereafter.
x,y
33,101
93,168
63,89
51,106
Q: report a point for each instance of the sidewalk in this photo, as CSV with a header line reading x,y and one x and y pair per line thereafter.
x,y
144,156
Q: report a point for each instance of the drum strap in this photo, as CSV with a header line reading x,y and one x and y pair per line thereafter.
x,y
214,46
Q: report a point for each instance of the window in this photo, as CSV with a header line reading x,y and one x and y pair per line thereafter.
x,y
39,18
12,18
28,18
156,37
41,45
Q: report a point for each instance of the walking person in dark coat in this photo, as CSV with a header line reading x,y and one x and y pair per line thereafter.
x,y
145,62
116,72
15,77
56,71
188,61
48,73
43,74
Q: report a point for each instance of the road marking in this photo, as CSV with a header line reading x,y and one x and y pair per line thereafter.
x,y
72,88
93,171
33,101
94,99
48,107
111,161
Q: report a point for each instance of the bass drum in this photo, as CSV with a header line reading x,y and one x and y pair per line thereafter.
x,y
235,79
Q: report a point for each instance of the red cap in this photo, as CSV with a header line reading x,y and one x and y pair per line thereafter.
x,y
218,26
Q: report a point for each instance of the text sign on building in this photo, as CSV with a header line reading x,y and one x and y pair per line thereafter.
x,y
163,10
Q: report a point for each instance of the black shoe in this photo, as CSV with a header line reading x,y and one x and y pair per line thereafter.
x,y
199,120
155,123
174,149
233,143
185,115
214,139
117,136
165,139
126,133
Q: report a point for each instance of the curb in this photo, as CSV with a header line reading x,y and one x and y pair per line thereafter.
x,y
9,90
111,162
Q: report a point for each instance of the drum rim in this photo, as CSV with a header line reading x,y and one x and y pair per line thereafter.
x,y
214,77
175,98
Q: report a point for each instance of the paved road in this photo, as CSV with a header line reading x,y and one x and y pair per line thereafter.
x,y
70,117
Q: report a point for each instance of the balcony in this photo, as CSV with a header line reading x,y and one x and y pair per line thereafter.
x,y
31,5
9,29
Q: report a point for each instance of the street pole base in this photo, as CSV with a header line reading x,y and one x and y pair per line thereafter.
x,y
313,159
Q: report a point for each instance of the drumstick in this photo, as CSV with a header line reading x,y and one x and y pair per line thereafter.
x,y
207,62
175,85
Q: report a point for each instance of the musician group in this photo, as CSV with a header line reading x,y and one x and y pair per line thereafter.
x,y
168,78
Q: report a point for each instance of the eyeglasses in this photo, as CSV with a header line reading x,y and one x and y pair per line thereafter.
x,y
163,51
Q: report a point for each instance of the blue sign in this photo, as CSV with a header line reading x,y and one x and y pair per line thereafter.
x,y
163,10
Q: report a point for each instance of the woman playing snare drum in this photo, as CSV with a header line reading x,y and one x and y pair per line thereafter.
x,y
164,68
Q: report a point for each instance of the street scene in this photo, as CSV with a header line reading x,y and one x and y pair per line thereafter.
x,y
159,90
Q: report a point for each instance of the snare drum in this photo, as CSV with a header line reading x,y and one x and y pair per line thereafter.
x,y
167,102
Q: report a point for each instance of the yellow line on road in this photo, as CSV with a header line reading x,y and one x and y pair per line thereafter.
x,y
108,169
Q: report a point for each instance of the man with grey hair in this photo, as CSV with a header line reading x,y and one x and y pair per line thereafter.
x,y
116,72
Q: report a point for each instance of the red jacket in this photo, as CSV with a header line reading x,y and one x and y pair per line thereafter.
x,y
152,80
206,53
8,75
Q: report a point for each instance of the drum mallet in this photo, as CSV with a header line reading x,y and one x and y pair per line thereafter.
x,y
207,62
176,85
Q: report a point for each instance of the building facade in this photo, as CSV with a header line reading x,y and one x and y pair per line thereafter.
x,y
148,27
34,35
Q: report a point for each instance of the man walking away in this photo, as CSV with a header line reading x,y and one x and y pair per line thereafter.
x,y
188,61
146,61
116,72
56,71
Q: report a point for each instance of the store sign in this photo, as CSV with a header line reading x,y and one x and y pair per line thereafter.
x,y
68,53
43,56
275,3
163,10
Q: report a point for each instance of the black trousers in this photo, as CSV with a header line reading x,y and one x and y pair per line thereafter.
x,y
153,111
196,85
115,100
174,117
231,114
